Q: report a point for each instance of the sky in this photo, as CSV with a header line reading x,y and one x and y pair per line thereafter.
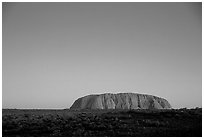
x,y
54,53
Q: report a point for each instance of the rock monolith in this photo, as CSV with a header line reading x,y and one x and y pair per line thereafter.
x,y
121,101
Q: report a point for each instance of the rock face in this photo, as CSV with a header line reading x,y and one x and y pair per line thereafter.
x,y
121,101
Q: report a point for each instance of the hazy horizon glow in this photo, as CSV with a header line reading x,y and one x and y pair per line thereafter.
x,y
54,53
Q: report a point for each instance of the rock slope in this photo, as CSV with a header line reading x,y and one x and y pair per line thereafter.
x,y
121,101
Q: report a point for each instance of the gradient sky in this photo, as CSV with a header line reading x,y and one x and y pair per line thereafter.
x,y
54,53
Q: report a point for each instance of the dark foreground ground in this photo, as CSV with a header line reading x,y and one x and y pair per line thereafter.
x,y
101,123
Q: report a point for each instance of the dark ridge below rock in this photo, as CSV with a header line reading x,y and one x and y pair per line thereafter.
x,y
121,101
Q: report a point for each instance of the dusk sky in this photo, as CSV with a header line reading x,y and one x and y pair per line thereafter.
x,y
54,53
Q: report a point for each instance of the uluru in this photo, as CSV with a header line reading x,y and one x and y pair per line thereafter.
x,y
121,101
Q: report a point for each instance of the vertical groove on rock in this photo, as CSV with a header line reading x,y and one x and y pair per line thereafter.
x,y
138,101
130,102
